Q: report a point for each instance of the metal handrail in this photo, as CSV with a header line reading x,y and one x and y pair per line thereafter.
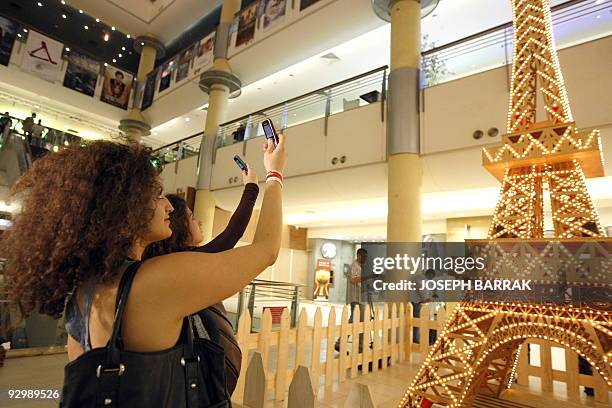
x,y
489,37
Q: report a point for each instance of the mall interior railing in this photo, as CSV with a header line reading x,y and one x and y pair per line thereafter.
x,y
270,294
369,87
43,137
574,21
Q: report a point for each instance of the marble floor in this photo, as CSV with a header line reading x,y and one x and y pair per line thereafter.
x,y
387,387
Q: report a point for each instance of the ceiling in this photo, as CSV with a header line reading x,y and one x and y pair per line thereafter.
x,y
452,20
164,19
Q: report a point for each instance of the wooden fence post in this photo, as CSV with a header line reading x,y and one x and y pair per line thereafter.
x,y
344,332
283,356
377,346
385,336
331,342
367,333
315,359
255,387
265,331
402,332
242,336
409,331
355,341
424,331
300,340
359,397
301,391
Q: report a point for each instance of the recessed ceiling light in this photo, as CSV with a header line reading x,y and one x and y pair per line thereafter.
x,y
106,64
123,48
120,55
63,2
106,37
25,30
187,119
19,35
128,36
68,49
37,106
142,44
154,133
80,11
39,4
86,27
113,28
64,16
598,16
114,60
97,20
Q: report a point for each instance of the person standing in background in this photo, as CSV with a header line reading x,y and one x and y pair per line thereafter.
x,y
27,124
353,295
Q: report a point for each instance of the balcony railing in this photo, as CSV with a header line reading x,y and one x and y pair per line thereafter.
x,y
574,22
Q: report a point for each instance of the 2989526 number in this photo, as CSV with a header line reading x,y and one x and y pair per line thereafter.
x,y
33,394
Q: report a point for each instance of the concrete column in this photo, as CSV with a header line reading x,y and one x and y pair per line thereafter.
x,y
135,126
220,84
403,139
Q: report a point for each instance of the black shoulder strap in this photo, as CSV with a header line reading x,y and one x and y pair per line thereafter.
x,y
122,295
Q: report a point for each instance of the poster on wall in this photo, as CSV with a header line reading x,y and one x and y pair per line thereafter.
x,y
307,3
42,56
246,24
117,86
274,11
184,62
81,73
8,34
149,90
204,53
166,75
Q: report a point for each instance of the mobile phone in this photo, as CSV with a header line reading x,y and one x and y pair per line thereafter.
x,y
269,131
243,166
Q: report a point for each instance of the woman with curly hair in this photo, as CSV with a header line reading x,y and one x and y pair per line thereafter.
x,y
212,322
87,214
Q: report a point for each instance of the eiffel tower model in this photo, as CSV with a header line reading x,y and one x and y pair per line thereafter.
x,y
478,350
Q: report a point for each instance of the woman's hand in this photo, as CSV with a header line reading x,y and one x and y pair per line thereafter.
x,y
250,177
275,158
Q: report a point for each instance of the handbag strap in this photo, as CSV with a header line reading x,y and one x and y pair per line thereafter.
x,y
115,342
109,374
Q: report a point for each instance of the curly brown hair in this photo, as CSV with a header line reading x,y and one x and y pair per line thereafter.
x,y
179,224
82,209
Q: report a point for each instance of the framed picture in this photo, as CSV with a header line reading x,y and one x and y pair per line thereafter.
x,y
82,73
307,3
274,11
116,87
246,24
8,34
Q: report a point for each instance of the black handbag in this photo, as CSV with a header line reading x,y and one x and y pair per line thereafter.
x,y
190,374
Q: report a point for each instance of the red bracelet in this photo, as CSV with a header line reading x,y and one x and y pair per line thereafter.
x,y
273,173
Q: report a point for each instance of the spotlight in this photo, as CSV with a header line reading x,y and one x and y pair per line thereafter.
x,y
67,49
128,36
106,64
86,27
25,30
19,35
80,11
39,4
64,16
97,20
106,36
122,48
114,60
113,28
120,55
63,2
